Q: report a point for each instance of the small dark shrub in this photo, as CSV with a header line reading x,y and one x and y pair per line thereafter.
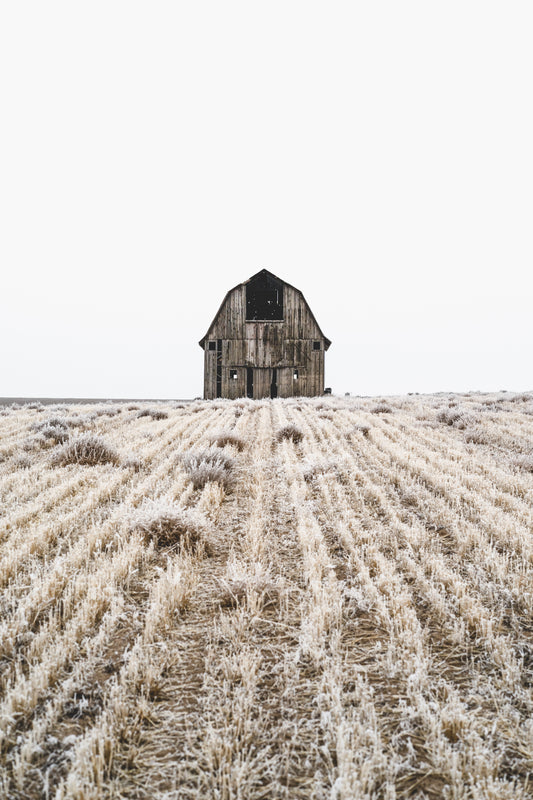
x,y
168,525
134,463
86,450
525,463
53,430
51,422
22,461
158,414
289,432
311,469
54,433
475,436
208,466
106,412
456,419
381,408
223,438
364,430
235,592
155,413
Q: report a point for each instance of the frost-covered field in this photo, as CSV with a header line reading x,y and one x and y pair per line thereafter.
x,y
278,599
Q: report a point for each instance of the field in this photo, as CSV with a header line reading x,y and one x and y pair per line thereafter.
x,y
234,600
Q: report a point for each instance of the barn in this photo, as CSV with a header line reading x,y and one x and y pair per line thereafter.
x,y
264,342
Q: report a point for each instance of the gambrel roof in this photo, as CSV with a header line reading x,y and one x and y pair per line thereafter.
x,y
261,273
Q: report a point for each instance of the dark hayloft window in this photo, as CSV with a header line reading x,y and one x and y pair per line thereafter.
x,y
264,298
233,374
295,375
316,345
212,345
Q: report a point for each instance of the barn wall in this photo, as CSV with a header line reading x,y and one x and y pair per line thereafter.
x,y
286,344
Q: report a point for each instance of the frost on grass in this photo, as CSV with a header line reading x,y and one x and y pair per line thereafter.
x,y
476,435
209,465
363,430
55,430
223,438
291,432
522,397
155,413
312,468
524,463
456,418
87,450
336,645
133,462
167,524
52,431
22,461
253,584
381,408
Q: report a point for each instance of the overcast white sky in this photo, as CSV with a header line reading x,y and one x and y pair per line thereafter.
x,y
377,155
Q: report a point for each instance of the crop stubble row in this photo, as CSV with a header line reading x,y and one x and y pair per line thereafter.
x,y
361,626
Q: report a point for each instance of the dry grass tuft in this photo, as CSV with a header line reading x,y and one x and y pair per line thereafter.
x,y
381,408
289,432
253,585
223,438
476,435
86,450
524,463
22,461
56,429
108,412
209,465
155,413
364,430
312,468
362,630
457,419
133,462
167,524
52,434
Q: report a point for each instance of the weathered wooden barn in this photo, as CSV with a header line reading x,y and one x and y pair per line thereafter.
x,y
264,342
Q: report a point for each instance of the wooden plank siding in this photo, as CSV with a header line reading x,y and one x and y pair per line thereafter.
x,y
284,345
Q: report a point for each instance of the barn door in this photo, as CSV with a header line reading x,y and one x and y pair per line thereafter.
x,y
274,384
262,382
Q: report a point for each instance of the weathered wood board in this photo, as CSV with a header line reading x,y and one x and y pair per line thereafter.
x,y
285,354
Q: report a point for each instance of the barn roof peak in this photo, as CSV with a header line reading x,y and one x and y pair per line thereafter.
x,y
264,273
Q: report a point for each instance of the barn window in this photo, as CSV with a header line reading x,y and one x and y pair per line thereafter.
x,y
264,297
316,345
233,374
212,345
295,375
